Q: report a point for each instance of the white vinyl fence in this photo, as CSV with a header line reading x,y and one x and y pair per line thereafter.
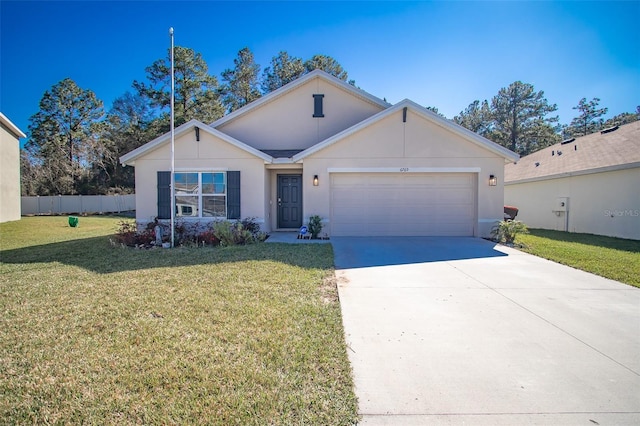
x,y
66,204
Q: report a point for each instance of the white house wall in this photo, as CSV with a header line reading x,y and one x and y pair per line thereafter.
x,y
605,203
417,146
9,175
209,154
287,122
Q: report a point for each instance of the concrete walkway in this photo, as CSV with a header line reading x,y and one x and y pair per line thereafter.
x,y
460,331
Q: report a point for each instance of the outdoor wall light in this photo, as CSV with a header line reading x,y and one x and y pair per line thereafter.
x,y
316,182
493,180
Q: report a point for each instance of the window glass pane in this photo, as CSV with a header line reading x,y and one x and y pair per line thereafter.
x,y
186,183
186,206
207,183
214,206
213,183
219,183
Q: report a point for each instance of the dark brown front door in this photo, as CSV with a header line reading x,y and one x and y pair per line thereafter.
x,y
289,201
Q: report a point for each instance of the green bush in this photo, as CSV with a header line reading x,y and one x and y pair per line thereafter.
x,y
315,226
507,230
242,232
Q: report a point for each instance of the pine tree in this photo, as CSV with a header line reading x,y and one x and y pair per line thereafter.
x,y
241,83
196,91
519,119
64,137
284,69
589,120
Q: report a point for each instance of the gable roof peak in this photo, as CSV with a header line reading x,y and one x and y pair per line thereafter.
x,y
507,154
130,157
289,87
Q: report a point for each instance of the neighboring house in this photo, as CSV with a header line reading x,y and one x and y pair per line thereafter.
x,y
9,170
589,184
319,146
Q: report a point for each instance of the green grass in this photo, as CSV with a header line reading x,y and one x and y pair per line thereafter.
x,y
608,257
96,334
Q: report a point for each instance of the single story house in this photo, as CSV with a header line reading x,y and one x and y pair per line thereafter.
x,y
589,184
319,146
10,136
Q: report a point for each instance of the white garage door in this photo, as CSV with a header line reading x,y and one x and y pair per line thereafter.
x,y
403,204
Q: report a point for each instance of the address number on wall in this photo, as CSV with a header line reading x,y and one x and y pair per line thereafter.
x,y
404,169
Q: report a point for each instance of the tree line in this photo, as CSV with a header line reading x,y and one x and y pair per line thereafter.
x,y
74,143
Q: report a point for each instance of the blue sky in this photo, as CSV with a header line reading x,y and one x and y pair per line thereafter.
x,y
442,54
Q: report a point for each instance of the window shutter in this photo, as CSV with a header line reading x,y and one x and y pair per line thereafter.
x,y
164,195
233,195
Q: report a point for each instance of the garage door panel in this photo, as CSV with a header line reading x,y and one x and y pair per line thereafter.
x,y
403,204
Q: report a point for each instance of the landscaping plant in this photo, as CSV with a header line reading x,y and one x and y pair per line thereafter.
x,y
315,226
507,230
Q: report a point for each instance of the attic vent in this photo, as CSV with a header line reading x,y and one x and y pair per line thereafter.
x,y
537,163
609,130
553,153
559,152
568,141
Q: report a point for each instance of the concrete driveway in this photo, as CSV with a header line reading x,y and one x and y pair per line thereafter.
x,y
461,331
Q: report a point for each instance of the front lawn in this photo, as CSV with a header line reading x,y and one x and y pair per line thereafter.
x,y
95,333
608,257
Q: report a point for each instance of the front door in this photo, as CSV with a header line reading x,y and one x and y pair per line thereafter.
x,y
289,201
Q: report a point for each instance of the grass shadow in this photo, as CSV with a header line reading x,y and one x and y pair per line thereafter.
x,y
98,255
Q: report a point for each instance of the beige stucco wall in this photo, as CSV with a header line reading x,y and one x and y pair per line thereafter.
x,y
9,175
605,203
287,122
416,145
209,154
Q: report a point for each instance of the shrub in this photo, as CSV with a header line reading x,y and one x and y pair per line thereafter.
x,y
128,235
208,238
315,226
242,232
507,231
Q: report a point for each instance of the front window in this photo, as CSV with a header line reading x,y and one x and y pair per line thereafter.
x,y
201,194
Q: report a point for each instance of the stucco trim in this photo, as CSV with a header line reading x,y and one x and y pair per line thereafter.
x,y
576,173
129,158
201,169
403,170
509,156
11,127
359,93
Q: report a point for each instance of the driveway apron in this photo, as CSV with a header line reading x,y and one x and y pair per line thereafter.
x,y
462,331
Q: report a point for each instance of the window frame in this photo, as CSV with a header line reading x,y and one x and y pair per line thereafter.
x,y
200,195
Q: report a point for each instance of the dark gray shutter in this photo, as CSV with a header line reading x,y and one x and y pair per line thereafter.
x,y
317,105
164,195
233,195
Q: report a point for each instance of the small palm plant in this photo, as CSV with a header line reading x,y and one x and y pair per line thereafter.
x,y
507,230
315,226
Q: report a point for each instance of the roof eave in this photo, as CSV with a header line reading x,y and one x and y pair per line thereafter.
x,y
575,173
129,158
12,127
509,156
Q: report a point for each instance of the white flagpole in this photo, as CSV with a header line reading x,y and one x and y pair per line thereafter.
x,y
173,160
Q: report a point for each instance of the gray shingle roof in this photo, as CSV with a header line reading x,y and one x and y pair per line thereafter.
x,y
587,154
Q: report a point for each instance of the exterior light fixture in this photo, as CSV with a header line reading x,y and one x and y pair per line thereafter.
x,y
316,182
493,180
